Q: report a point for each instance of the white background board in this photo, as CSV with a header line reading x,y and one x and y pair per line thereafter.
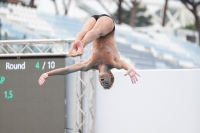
x,y
163,101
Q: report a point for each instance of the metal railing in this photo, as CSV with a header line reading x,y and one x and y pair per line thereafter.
x,y
40,47
84,88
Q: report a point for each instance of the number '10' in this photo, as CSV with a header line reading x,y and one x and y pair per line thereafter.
x,y
51,64
8,94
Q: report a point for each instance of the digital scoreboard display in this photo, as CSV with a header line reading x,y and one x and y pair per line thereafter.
x,y
25,106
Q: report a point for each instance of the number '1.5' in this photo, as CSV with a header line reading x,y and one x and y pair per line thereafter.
x,y
8,94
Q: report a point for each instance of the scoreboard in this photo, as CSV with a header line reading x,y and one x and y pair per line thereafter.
x,y
25,106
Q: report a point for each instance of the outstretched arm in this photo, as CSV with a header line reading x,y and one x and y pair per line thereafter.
x,y
130,71
81,66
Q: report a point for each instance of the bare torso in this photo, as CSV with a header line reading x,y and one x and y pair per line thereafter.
x,y
104,51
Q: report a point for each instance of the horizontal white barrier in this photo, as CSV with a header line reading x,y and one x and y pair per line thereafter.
x,y
163,101
36,47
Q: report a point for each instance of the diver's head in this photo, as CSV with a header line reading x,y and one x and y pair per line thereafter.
x,y
106,79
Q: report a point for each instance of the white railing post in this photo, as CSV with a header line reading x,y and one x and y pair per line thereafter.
x,y
84,100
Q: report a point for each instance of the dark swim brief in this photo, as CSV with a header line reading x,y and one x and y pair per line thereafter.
x,y
98,16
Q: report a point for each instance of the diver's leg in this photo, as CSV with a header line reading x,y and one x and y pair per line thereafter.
x,y
102,27
77,47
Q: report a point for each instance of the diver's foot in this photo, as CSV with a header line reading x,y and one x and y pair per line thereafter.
x,y
80,48
72,52
76,49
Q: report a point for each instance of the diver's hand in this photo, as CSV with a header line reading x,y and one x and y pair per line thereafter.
x,y
42,78
133,75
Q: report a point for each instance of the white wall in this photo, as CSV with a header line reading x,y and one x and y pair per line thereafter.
x,y
163,101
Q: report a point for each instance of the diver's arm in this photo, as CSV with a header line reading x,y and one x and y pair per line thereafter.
x,y
81,66
121,64
130,70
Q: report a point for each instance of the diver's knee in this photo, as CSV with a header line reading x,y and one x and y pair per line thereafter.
x,y
96,32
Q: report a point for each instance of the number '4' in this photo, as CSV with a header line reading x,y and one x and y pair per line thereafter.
x,y
37,65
